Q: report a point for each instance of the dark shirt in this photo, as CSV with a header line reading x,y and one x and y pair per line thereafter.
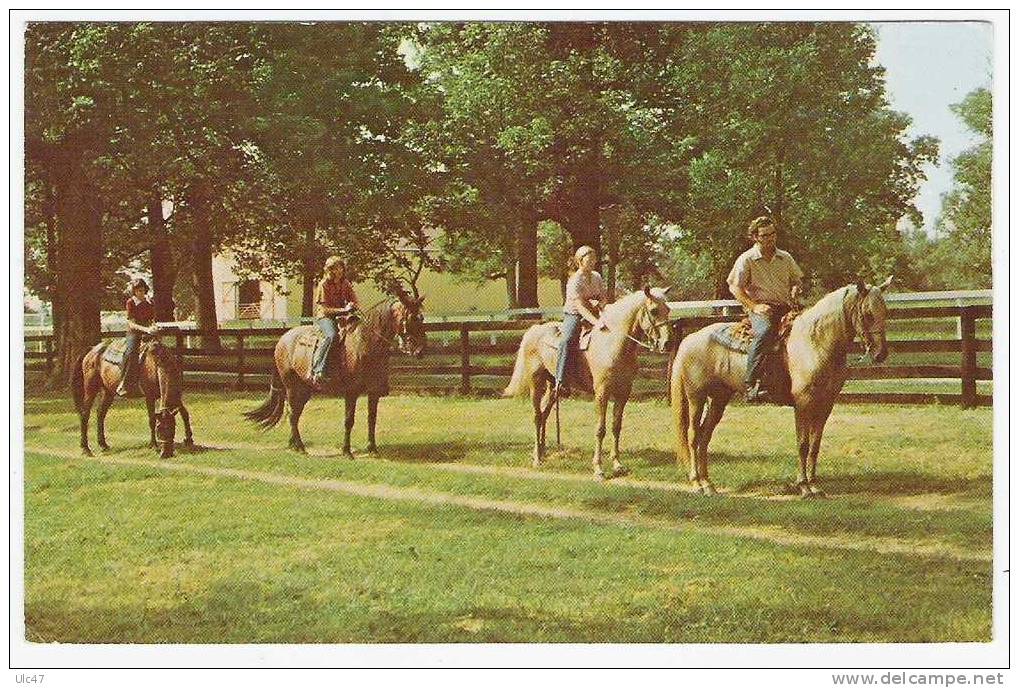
x,y
334,294
141,313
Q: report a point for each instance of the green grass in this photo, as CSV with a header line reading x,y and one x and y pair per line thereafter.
x,y
139,554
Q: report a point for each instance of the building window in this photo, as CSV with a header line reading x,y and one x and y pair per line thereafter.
x,y
249,300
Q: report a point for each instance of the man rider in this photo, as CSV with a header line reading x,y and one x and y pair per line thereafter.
x,y
766,280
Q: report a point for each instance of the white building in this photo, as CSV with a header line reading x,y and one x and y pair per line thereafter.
x,y
245,299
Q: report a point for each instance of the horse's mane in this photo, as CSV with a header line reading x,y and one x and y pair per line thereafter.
x,y
618,311
828,317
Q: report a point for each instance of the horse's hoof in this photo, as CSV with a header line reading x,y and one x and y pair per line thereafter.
x,y
189,445
600,475
708,489
85,451
347,454
620,471
372,450
104,448
817,492
299,448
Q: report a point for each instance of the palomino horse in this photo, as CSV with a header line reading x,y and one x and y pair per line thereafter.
x,y
707,374
360,367
611,360
160,379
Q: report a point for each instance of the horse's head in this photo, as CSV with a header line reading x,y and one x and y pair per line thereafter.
x,y
869,318
653,319
166,429
410,325
162,363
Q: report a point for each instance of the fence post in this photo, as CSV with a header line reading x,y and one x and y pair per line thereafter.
x,y
240,362
49,354
465,359
967,328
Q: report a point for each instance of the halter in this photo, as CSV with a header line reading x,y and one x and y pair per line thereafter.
x,y
851,321
644,344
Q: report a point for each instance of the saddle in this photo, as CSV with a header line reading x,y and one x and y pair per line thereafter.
x,y
739,335
774,366
584,340
311,339
113,352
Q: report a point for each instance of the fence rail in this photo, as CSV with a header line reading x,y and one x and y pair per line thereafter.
x,y
242,361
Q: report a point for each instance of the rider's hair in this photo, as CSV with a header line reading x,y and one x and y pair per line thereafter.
x,y
579,254
757,224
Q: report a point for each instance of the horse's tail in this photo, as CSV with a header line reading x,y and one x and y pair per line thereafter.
x,y
270,412
78,381
681,412
520,382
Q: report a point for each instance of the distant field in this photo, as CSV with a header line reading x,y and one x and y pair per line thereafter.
x,y
449,536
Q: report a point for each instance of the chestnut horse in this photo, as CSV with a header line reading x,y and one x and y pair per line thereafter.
x,y
609,366
358,367
159,377
706,374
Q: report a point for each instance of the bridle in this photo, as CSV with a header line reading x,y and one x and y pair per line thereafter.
x,y
648,343
854,322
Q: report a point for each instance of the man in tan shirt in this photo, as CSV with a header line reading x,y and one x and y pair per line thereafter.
x,y
766,280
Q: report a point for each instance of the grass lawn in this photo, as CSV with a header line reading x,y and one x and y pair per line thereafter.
x,y
448,535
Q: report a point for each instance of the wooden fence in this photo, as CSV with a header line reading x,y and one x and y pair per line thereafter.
x,y
243,363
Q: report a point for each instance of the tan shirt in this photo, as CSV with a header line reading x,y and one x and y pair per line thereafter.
x,y
580,286
765,281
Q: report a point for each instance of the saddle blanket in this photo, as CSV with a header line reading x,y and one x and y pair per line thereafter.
x,y
584,339
114,351
737,336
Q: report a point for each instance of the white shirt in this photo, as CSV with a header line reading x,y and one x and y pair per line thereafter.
x,y
765,281
581,286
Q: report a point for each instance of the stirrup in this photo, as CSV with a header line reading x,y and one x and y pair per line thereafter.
x,y
756,395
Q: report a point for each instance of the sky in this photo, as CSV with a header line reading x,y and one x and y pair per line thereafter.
x,y
929,66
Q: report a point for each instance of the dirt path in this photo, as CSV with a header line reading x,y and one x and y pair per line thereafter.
x,y
916,502
881,545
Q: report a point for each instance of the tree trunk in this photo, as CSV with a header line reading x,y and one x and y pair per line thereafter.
x,y
201,274
56,298
309,273
527,264
510,277
79,240
164,275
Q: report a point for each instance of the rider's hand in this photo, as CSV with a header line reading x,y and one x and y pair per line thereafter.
x,y
762,309
601,325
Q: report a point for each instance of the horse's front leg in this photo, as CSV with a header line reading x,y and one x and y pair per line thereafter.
x,y
373,409
189,439
803,449
348,424
819,420
618,469
150,405
601,404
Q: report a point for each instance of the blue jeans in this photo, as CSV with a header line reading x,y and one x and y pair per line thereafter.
x,y
329,330
567,345
129,364
765,329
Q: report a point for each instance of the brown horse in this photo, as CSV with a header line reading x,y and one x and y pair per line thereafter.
x,y
608,366
360,367
705,374
159,377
